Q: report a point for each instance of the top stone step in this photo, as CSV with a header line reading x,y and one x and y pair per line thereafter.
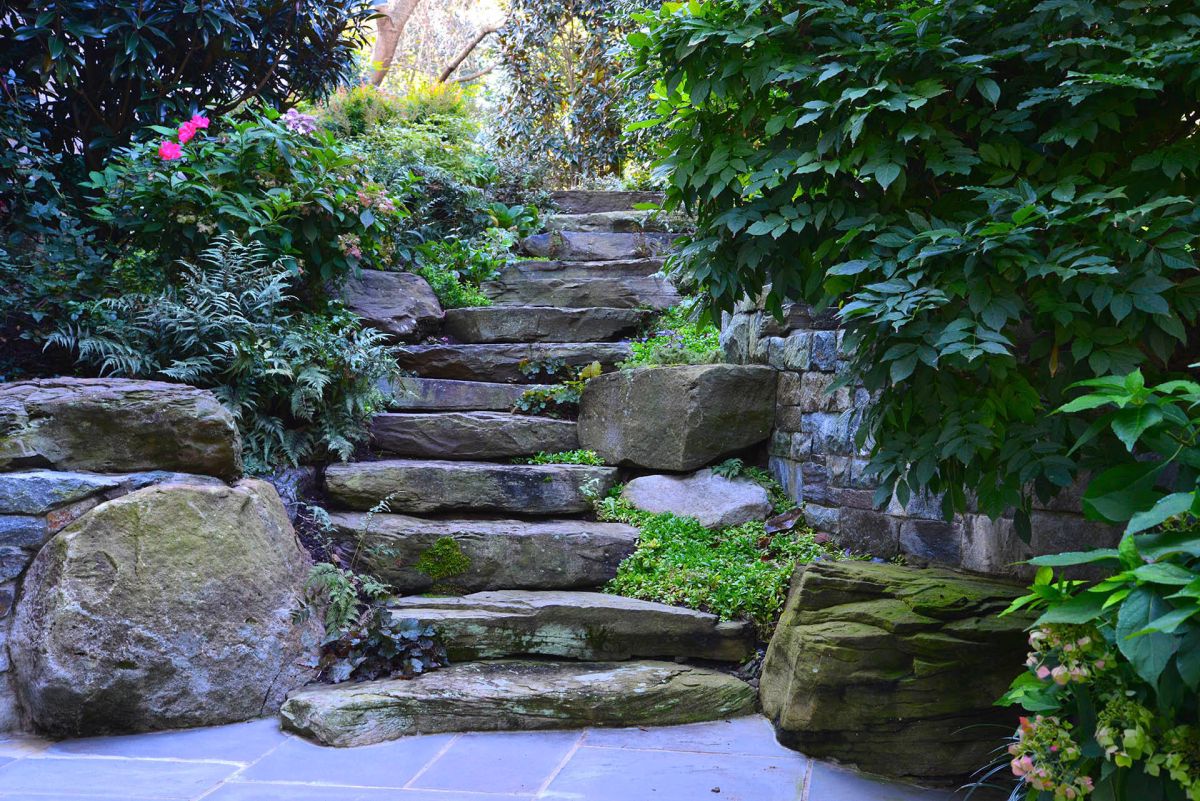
x,y
580,246
583,201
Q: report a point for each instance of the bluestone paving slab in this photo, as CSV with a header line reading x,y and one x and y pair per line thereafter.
x,y
240,743
385,765
749,735
612,774
507,762
256,791
130,778
829,783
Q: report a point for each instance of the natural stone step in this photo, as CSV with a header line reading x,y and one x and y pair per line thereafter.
x,y
495,554
516,695
491,324
419,486
401,305
470,435
504,362
573,270
624,221
414,393
573,625
583,201
581,246
651,292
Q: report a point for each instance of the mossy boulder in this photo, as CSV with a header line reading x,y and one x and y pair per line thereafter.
x,y
892,668
167,607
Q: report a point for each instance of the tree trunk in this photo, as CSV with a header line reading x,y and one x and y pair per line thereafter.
x,y
388,29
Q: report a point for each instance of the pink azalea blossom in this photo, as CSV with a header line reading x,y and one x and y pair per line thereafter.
x,y
169,151
198,121
186,132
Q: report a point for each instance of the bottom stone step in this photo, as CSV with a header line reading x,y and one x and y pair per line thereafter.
x,y
516,695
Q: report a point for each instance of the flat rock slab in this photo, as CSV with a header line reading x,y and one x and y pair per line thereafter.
x,y
625,221
490,324
401,305
716,501
470,435
420,486
583,201
609,268
444,394
409,553
573,625
504,362
677,418
114,425
650,292
516,695
580,246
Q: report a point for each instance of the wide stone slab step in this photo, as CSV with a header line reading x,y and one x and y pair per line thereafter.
x,y
491,324
624,221
470,435
515,363
650,292
583,246
610,268
573,625
431,485
414,554
516,695
413,393
583,201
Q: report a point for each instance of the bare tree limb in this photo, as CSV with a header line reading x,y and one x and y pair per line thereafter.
x,y
473,75
463,54
388,29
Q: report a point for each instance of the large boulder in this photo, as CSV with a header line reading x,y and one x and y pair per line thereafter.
x,y
676,418
401,305
168,607
113,425
716,501
892,668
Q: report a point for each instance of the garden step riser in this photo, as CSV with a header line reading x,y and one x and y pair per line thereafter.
x,y
573,625
653,292
581,246
505,362
411,393
495,554
470,435
579,270
587,201
416,486
492,325
516,695
616,222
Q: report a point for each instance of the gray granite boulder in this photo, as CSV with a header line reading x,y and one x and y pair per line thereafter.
x,y
715,501
401,305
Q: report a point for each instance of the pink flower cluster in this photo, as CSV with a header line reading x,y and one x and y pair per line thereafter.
x,y
169,150
1046,757
1065,654
298,122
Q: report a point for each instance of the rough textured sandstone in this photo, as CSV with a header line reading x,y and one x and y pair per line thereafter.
x,y
622,292
470,435
400,305
446,395
542,324
574,270
623,221
573,625
420,486
116,426
168,607
715,501
501,363
517,695
409,552
585,201
676,418
891,668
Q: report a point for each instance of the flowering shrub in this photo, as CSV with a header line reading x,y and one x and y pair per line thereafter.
x,y
266,178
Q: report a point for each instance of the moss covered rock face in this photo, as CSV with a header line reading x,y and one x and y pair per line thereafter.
x,y
886,667
165,608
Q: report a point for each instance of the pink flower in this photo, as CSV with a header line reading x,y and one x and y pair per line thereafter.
x,y
1043,672
186,132
169,151
198,122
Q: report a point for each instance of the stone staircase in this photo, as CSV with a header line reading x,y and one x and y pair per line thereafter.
x,y
534,644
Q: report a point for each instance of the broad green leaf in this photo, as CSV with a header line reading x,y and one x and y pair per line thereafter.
x,y
1129,424
1076,558
1167,507
1149,653
1083,608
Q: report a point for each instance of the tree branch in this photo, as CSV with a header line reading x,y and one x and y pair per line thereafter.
x,y
463,54
473,75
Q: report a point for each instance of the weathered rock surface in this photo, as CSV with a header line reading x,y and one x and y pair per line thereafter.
x,y
470,435
624,292
715,501
401,305
516,695
445,395
410,553
489,324
891,668
623,221
499,363
420,486
676,418
585,201
116,426
573,625
579,246
168,607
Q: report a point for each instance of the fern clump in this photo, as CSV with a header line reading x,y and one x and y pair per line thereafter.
x,y
301,385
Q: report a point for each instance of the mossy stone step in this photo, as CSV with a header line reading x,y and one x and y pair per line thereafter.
x,y
513,363
470,435
595,246
583,201
622,221
414,554
627,292
432,485
413,393
573,625
573,270
516,695
498,324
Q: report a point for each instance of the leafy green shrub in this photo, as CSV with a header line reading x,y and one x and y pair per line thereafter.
x,y
677,337
556,400
521,219
303,197
564,457
997,196
361,109
446,142
456,268
301,386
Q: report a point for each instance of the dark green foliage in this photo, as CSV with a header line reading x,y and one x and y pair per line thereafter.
x,y
442,560
563,457
677,337
998,197
380,646
105,69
